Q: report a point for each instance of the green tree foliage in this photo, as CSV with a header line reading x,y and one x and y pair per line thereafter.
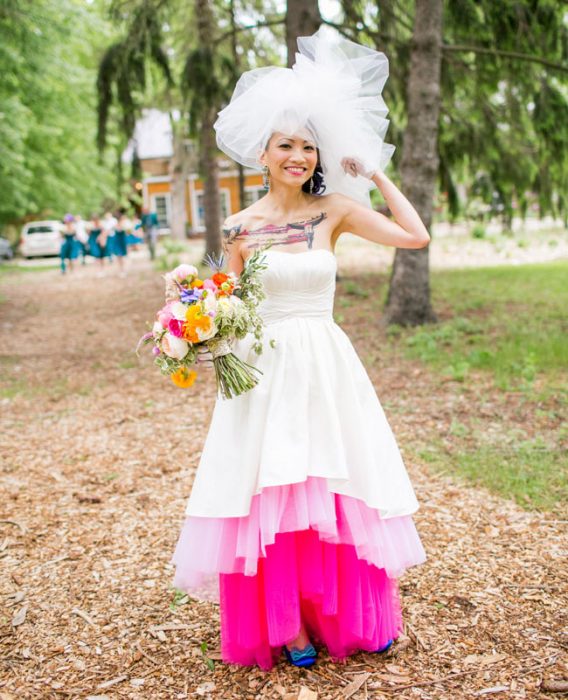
x,y
49,161
504,110
123,66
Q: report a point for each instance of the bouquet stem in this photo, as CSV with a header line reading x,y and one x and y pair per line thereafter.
x,y
233,376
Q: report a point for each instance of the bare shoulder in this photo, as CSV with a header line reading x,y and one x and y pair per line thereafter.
x,y
336,203
231,222
246,218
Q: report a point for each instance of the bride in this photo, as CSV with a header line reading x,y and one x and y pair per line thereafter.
x,y
301,509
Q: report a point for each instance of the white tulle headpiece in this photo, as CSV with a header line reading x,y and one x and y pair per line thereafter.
x,y
333,90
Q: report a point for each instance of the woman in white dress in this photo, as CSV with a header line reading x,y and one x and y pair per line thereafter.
x,y
301,507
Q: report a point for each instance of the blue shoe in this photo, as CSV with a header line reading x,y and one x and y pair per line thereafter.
x,y
301,657
386,647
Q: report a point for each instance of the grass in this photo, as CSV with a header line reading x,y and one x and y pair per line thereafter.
x,y
530,472
12,268
507,321
15,384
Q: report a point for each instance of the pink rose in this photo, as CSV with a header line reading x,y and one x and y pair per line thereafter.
x,y
175,327
210,285
183,271
165,315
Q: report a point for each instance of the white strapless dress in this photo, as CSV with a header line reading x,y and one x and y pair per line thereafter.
x,y
301,508
314,413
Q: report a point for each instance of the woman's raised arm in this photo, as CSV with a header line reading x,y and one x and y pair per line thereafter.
x,y
407,231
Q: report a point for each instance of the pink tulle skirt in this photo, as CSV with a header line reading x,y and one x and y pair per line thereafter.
x,y
301,555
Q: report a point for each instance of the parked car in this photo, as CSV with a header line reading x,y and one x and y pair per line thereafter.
x,y
6,252
41,238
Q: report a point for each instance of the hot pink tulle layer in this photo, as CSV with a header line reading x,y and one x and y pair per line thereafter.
x,y
344,602
208,546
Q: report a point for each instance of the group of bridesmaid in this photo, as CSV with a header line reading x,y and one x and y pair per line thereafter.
x,y
102,238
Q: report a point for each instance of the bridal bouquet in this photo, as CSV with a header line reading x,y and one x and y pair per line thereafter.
x,y
200,320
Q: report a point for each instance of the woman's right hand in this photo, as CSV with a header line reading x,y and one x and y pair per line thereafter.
x,y
354,167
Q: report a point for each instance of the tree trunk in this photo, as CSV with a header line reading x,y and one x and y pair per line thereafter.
x,y
210,172
207,146
179,170
302,19
237,63
242,182
408,302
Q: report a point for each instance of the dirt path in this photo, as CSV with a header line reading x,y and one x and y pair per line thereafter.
x,y
98,456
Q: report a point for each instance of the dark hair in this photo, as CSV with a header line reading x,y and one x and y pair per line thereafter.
x,y
315,185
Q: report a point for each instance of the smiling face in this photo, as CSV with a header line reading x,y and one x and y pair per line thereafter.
x,y
291,160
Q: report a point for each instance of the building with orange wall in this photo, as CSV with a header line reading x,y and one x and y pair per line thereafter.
x,y
153,143
156,191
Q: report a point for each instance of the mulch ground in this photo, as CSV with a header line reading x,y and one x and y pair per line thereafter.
x,y
98,456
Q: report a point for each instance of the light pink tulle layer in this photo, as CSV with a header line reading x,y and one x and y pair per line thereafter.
x,y
209,546
344,602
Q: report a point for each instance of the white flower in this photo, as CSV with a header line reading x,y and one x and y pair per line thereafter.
x,y
235,302
179,310
210,303
205,335
224,307
174,347
157,328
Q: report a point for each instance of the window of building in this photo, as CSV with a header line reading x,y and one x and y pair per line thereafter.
x,y
253,194
161,205
200,208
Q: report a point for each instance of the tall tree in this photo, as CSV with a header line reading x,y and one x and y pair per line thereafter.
x,y
125,70
503,112
208,74
409,292
303,18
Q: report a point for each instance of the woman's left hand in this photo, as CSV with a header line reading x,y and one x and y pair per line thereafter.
x,y
354,167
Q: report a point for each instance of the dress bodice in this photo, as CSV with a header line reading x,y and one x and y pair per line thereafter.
x,y
298,285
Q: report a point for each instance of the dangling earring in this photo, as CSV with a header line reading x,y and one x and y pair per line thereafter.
x,y
311,185
266,177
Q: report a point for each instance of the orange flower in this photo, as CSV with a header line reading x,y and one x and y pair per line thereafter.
x,y
197,283
195,319
183,377
190,334
219,278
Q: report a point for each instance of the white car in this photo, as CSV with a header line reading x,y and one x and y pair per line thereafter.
x,y
41,238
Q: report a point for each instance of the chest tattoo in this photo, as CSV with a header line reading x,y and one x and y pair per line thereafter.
x,y
287,234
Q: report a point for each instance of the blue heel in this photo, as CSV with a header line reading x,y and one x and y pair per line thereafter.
x,y
301,657
387,646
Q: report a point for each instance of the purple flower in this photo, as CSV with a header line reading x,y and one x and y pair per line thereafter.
x,y
189,296
155,351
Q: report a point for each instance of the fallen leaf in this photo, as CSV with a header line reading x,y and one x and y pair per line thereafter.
x,y
355,684
84,616
398,670
307,694
113,681
483,659
205,688
20,616
492,690
553,686
391,678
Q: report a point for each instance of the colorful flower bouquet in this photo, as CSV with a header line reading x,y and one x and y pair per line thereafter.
x,y
200,320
